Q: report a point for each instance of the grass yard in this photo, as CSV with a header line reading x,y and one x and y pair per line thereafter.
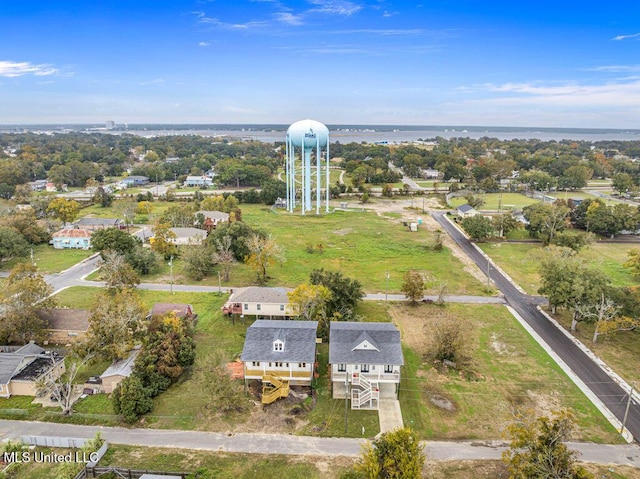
x,y
492,201
521,261
49,260
508,371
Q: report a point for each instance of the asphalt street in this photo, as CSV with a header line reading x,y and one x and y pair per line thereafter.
x,y
626,454
597,380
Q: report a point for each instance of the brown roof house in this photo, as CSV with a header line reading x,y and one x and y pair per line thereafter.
x,y
183,311
258,301
118,371
21,367
65,325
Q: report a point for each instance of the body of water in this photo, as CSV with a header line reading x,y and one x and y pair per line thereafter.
x,y
391,134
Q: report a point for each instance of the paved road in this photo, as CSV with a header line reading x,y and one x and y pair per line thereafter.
x,y
628,454
605,388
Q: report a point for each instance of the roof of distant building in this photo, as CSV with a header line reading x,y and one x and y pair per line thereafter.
x,y
123,367
260,294
72,233
66,319
465,208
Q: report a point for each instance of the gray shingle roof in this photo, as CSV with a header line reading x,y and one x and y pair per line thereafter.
x,y
344,336
12,363
257,294
214,215
189,233
299,341
89,221
122,367
465,208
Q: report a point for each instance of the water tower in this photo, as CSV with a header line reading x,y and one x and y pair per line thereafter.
x,y
304,138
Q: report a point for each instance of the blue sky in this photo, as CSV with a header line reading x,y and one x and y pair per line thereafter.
x,y
431,62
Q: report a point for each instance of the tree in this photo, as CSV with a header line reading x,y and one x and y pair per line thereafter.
x,y
308,302
605,315
346,292
24,295
239,232
131,399
60,388
26,223
271,190
161,244
223,255
478,227
558,271
394,455
63,209
113,239
223,394
263,253
537,449
505,224
116,321
116,272
449,340
199,261
6,191
102,197
545,220
633,263
622,182
142,259
12,244
413,286
572,239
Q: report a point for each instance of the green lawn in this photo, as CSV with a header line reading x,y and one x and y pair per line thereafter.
x,y
494,201
521,261
49,260
359,244
509,371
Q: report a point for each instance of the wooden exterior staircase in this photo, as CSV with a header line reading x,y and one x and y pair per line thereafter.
x,y
366,396
273,388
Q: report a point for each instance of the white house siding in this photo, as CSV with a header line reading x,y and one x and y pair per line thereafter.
x,y
265,309
295,373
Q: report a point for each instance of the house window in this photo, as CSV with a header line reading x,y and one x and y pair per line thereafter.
x,y
364,368
246,306
302,365
342,368
278,365
287,365
278,345
270,365
258,307
255,363
388,368
282,307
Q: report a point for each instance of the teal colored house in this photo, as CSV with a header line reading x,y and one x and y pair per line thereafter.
x,y
71,238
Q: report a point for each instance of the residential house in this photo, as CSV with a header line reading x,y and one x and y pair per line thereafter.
x,y
71,238
211,218
134,180
198,181
188,236
365,360
262,302
279,353
39,185
466,211
118,370
183,311
93,224
22,367
65,325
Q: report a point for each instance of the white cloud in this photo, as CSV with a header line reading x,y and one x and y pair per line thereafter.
x,y
387,14
17,69
204,44
156,81
289,18
335,7
625,37
617,68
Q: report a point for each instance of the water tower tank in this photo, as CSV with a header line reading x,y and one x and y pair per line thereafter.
x,y
308,134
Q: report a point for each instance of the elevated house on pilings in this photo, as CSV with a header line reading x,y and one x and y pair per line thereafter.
x,y
279,353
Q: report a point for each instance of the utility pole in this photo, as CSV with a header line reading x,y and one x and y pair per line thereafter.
x,y
386,291
219,285
626,411
171,272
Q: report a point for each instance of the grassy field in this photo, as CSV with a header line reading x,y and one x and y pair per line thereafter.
x,y
49,260
494,201
508,371
521,261
359,244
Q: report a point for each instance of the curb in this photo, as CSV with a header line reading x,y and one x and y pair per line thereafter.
x,y
614,421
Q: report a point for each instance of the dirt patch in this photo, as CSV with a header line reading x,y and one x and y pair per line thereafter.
x,y
499,347
442,402
545,404
343,232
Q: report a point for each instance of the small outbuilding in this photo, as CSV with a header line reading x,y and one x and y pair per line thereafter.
x,y
466,211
